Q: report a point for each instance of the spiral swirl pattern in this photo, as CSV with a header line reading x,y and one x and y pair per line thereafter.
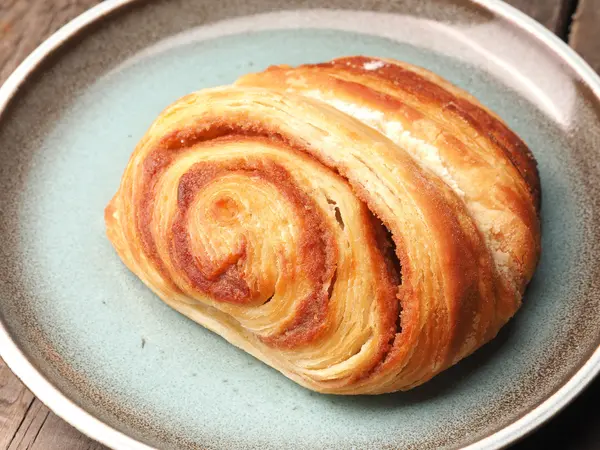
x,y
359,225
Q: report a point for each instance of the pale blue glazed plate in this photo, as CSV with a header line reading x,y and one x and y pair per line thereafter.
x,y
107,355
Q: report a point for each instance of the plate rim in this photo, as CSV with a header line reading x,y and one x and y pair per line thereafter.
x,y
95,428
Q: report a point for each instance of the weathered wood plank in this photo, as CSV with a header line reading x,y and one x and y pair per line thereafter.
x,y
30,427
585,32
56,434
26,23
553,14
15,401
26,423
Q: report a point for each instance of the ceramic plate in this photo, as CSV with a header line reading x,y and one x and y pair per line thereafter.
x,y
107,355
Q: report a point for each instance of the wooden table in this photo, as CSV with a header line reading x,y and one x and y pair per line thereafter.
x,y
26,423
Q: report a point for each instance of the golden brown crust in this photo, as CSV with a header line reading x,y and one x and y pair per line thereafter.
x,y
326,219
474,147
428,87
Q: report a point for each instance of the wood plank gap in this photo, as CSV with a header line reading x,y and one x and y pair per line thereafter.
x,y
567,12
40,428
21,422
29,430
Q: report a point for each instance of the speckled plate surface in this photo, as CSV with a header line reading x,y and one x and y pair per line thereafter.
x,y
107,355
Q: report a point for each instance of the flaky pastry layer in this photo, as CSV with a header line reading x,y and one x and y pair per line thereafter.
x,y
359,225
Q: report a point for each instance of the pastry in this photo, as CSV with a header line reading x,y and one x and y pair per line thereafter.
x,y
359,225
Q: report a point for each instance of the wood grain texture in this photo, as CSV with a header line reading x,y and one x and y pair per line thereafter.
x,y
15,401
585,32
56,434
25,423
26,23
30,427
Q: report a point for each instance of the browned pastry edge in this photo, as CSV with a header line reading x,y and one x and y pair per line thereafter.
x,y
429,87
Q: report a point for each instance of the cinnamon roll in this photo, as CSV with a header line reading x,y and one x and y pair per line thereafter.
x,y
359,225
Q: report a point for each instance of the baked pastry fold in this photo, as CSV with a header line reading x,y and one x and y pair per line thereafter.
x,y
359,225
